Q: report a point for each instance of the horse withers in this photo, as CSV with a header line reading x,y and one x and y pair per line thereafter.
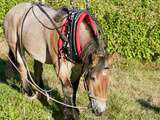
x,y
28,27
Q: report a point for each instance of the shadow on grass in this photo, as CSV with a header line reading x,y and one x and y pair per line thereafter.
x,y
147,105
56,109
2,70
9,79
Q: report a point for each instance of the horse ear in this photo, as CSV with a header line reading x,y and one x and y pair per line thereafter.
x,y
61,14
95,59
109,58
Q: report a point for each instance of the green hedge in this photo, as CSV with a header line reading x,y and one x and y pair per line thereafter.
x,y
131,27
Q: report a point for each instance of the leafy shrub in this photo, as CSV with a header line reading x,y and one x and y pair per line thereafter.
x,y
131,28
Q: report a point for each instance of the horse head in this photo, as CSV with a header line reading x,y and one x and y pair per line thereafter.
x,y
97,79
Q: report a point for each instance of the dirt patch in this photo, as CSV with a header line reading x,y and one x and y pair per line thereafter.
x,y
3,49
154,100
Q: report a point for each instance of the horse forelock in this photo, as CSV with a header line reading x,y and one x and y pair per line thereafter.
x,y
93,47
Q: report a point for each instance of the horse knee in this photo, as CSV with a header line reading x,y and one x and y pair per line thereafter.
x,y
68,91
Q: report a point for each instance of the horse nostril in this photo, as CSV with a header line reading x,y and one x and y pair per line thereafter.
x,y
98,107
97,113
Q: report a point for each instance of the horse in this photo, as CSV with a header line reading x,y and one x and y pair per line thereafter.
x,y
29,29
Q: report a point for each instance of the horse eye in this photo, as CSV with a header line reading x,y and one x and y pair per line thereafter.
x,y
92,78
106,67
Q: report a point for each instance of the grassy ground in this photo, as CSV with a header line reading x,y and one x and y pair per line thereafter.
x,y
134,94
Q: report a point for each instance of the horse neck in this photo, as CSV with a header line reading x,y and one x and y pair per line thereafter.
x,y
87,41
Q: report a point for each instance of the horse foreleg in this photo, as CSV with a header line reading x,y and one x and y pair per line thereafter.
x,y
75,84
64,74
75,77
69,97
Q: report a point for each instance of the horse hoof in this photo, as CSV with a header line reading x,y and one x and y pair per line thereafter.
x,y
26,88
71,114
31,97
70,118
28,92
42,99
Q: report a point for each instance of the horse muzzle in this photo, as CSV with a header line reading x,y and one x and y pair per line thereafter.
x,y
98,107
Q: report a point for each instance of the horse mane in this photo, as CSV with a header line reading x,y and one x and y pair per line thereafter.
x,y
93,47
61,14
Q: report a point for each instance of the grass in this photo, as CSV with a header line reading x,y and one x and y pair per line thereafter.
x,y
133,94
15,106
133,86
